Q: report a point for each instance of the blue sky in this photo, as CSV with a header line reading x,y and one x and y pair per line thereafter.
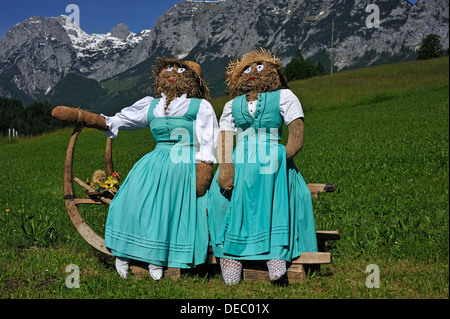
x,y
96,16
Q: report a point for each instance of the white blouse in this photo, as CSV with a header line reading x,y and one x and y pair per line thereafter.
x,y
135,117
290,109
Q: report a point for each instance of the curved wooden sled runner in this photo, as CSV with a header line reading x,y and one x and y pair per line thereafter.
x,y
72,202
253,271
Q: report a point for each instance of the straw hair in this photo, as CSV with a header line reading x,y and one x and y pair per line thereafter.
x,y
236,68
163,62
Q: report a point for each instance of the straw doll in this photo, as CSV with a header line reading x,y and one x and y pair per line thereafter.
x,y
259,205
157,215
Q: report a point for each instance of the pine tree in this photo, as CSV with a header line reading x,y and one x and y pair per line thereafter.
x,y
300,69
320,68
430,47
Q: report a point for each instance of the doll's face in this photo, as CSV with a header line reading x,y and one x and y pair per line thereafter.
x,y
178,80
258,77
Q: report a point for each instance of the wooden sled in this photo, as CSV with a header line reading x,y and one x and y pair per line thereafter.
x,y
253,271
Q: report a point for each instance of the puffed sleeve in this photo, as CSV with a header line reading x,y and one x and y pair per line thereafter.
x,y
226,121
206,128
290,106
130,118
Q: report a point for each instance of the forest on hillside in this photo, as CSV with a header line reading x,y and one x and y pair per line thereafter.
x,y
34,119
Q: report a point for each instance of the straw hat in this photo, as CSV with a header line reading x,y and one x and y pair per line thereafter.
x,y
235,68
163,62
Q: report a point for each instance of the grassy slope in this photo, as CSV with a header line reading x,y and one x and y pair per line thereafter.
x,y
379,134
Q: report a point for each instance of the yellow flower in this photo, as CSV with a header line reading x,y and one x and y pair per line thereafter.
x,y
7,210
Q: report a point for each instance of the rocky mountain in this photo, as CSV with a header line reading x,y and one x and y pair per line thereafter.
x,y
206,31
38,53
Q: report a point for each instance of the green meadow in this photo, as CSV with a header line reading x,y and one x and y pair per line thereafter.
x,y
380,134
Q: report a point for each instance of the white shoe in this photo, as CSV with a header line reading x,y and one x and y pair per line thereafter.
x,y
122,266
156,272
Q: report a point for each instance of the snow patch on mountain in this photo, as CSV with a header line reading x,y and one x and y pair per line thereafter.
x,y
88,45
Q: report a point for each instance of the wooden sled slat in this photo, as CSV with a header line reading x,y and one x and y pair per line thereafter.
x,y
323,235
317,189
296,271
88,188
80,201
77,220
315,258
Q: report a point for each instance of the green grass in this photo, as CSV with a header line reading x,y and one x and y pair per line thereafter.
x,y
40,273
380,134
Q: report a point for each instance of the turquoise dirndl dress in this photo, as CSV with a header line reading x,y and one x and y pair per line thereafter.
x,y
156,216
269,213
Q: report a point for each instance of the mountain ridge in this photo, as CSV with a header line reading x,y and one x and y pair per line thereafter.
x,y
39,52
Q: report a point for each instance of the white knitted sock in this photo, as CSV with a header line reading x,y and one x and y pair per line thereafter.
x,y
277,268
231,270
122,266
156,272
